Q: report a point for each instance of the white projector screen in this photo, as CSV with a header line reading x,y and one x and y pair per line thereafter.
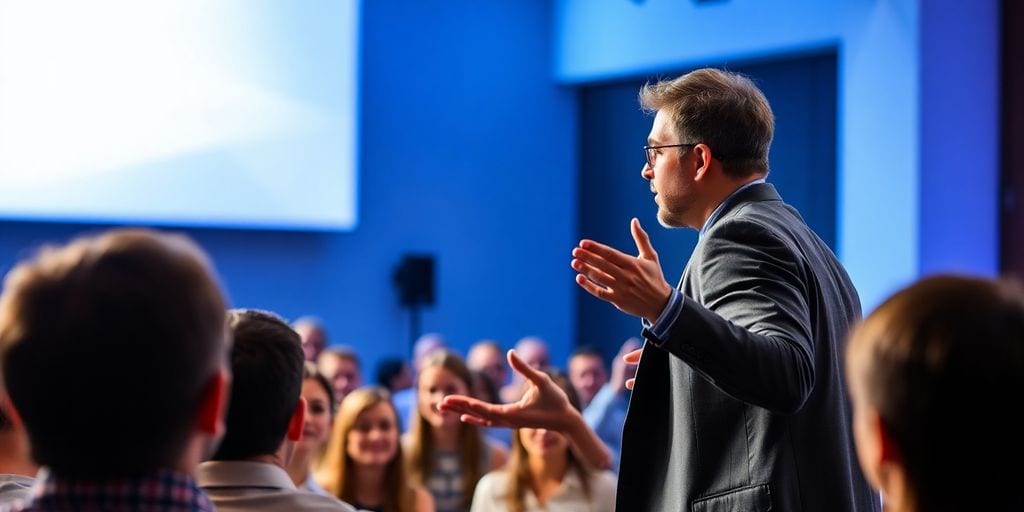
x,y
226,113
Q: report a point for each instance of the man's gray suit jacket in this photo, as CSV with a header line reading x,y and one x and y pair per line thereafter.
x,y
742,405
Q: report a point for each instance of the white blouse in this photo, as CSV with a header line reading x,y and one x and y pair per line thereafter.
x,y
491,493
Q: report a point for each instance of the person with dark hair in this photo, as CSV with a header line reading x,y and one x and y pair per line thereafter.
x,y
543,474
934,373
265,418
112,350
739,399
319,398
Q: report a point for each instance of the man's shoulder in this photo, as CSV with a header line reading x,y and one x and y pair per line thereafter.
x,y
276,499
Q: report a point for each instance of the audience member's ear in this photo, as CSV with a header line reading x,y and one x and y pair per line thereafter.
x,y
295,424
214,404
882,454
9,411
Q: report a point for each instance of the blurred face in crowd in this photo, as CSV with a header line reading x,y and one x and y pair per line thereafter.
x,y
343,373
317,423
534,353
436,382
373,440
541,443
587,375
488,359
314,339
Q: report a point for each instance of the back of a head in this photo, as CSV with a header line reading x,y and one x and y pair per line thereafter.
x,y
722,109
943,362
107,346
266,382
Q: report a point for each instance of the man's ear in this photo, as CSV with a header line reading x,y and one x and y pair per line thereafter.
x,y
883,454
9,411
704,160
295,424
213,404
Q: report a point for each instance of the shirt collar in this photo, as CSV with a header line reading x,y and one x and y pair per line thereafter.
x,y
718,210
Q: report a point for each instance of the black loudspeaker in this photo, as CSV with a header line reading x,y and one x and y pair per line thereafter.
x,y
414,278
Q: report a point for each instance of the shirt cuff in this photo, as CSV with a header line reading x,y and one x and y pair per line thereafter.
x,y
668,316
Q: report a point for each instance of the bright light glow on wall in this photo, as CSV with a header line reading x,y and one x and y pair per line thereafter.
x,y
231,113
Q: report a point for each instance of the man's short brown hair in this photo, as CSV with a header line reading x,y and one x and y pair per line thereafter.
x,y
722,109
107,346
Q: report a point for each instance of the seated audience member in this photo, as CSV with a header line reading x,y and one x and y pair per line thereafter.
x,y
405,400
447,456
363,464
113,354
934,373
394,374
265,418
487,356
543,474
340,364
604,400
313,334
319,397
17,471
534,352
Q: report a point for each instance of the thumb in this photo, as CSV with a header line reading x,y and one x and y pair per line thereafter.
x,y
643,242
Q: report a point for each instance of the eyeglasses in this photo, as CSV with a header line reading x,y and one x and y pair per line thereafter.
x,y
649,151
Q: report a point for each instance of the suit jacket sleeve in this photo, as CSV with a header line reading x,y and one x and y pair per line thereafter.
x,y
745,324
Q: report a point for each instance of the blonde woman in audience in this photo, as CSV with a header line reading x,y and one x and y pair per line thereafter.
x,y
544,474
315,429
363,464
934,373
447,456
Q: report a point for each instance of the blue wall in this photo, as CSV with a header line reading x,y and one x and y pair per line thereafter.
x,y
466,152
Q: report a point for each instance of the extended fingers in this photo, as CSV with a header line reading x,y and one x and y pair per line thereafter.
x,y
531,374
593,272
643,242
590,252
633,357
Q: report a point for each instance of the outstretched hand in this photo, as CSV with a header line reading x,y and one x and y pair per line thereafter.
x,y
633,284
543,405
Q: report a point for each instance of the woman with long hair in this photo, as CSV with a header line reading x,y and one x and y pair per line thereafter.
x,y
545,475
445,455
316,389
363,464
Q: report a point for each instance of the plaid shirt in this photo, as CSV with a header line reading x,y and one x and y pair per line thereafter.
x,y
165,491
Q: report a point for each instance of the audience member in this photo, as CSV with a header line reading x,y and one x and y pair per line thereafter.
x,y
447,456
604,400
340,364
534,352
487,356
17,471
364,463
933,374
316,428
544,474
394,374
313,334
112,350
265,418
405,400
